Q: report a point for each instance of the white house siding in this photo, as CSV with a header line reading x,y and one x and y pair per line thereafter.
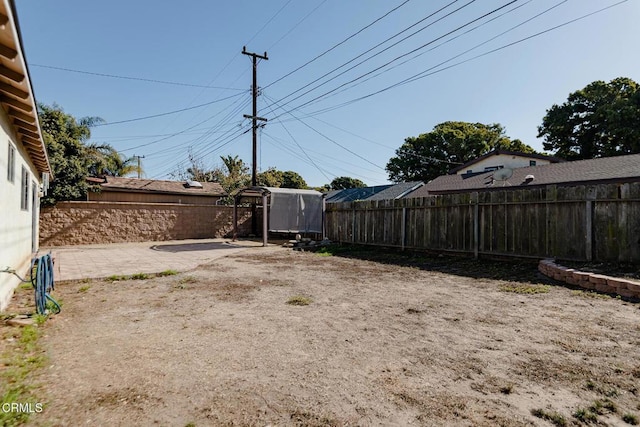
x,y
504,160
16,224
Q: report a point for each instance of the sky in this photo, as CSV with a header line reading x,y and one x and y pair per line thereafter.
x,y
170,81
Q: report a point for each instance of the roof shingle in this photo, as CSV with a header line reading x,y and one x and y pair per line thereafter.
x,y
606,169
139,185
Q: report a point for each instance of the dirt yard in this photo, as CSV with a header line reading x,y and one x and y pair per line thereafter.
x,y
386,339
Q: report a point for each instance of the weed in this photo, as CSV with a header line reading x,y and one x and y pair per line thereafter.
x,y
190,425
116,278
589,294
585,415
40,318
139,276
630,419
299,300
26,286
19,361
600,407
84,288
554,417
605,391
525,289
188,279
167,273
320,253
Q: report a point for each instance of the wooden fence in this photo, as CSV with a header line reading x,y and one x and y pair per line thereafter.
x,y
590,223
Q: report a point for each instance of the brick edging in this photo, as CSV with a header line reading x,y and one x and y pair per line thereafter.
x,y
594,281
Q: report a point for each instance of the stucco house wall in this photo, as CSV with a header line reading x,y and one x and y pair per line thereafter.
x,y
23,157
17,227
502,161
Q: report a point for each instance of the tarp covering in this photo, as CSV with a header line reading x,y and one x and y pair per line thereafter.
x,y
295,211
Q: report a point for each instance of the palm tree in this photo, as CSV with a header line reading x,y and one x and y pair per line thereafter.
x,y
103,159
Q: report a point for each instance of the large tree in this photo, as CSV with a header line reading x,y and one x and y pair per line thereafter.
x,y
291,179
601,120
448,145
65,139
273,177
344,182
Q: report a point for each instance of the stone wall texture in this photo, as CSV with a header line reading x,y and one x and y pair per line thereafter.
x,y
593,281
81,223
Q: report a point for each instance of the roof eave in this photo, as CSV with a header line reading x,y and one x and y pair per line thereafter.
x,y
17,97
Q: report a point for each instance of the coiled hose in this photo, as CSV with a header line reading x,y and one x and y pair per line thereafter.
x,y
43,284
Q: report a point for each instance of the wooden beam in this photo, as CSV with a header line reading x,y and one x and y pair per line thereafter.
x,y
8,52
15,103
31,141
5,87
35,153
11,75
25,125
20,115
30,134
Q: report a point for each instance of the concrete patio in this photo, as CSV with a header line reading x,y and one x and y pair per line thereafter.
x,y
99,261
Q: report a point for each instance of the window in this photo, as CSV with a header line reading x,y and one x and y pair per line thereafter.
x,y
493,168
11,163
24,196
532,162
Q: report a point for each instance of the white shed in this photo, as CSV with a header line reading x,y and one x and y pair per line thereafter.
x,y
285,210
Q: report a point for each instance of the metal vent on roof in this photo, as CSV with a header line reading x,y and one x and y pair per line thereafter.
x,y
193,184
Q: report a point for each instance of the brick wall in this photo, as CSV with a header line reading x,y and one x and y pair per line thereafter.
x,y
78,223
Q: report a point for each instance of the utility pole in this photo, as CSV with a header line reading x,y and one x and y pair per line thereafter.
x,y
139,166
254,117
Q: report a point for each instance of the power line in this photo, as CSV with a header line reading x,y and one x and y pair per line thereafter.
x,y
176,133
449,41
371,49
300,147
340,43
168,112
326,137
114,76
223,142
225,120
429,72
297,24
280,144
400,56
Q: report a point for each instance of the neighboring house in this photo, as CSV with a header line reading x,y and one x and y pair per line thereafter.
x,y
23,158
501,159
606,170
119,189
378,192
397,191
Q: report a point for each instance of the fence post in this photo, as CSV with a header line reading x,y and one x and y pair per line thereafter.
x,y
353,223
476,224
590,196
404,227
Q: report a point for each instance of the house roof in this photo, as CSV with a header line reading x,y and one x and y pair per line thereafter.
x,y
137,185
592,171
258,190
16,92
397,191
508,153
351,194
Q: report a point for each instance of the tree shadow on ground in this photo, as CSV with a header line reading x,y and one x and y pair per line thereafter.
x,y
460,265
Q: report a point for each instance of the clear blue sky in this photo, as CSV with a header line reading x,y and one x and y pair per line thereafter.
x,y
198,43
